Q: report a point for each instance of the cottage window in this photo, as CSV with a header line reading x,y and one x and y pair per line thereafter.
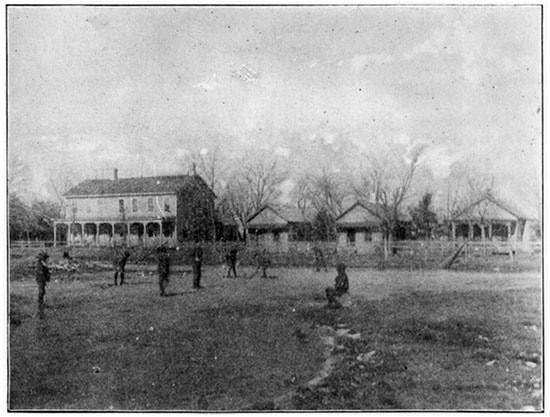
x,y
121,206
351,237
276,236
134,205
150,204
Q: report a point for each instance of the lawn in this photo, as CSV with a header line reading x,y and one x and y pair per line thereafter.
x,y
425,340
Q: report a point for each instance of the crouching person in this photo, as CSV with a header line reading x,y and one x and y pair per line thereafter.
x,y
340,288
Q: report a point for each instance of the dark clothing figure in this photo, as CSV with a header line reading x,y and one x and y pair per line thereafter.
x,y
68,264
119,263
340,288
163,269
319,259
264,263
231,261
197,265
42,276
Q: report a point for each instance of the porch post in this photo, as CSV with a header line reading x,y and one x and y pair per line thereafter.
x,y
54,234
161,235
96,234
145,237
112,237
82,233
509,229
470,231
453,230
491,231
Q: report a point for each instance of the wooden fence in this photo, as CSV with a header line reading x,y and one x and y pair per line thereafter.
x,y
33,244
414,254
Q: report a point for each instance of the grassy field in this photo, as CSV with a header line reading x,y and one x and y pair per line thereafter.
x,y
428,340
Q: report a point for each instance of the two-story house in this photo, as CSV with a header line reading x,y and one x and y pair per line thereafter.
x,y
144,210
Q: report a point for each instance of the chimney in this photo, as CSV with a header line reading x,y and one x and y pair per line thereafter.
x,y
116,173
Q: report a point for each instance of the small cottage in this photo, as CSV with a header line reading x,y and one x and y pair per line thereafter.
x,y
275,226
491,219
359,228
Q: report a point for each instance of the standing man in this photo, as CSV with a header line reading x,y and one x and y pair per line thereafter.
x,y
319,259
231,260
164,269
264,262
197,264
119,263
42,276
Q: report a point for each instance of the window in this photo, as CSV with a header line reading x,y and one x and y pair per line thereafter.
x,y
276,236
150,204
121,206
134,205
167,204
351,237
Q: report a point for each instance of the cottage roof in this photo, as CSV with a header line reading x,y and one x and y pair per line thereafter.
x,y
360,215
490,208
269,216
136,185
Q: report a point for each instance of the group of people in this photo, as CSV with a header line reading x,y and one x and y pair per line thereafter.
x,y
333,294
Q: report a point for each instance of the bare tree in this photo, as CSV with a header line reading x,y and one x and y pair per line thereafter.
x,y
391,183
262,180
252,187
17,179
387,181
210,166
59,182
327,193
465,186
362,188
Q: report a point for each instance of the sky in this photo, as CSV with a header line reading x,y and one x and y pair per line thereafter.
x,y
142,89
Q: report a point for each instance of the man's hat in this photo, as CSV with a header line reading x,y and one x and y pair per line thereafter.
x,y
43,255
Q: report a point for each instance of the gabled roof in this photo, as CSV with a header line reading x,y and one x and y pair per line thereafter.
x,y
137,185
270,216
360,215
491,208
